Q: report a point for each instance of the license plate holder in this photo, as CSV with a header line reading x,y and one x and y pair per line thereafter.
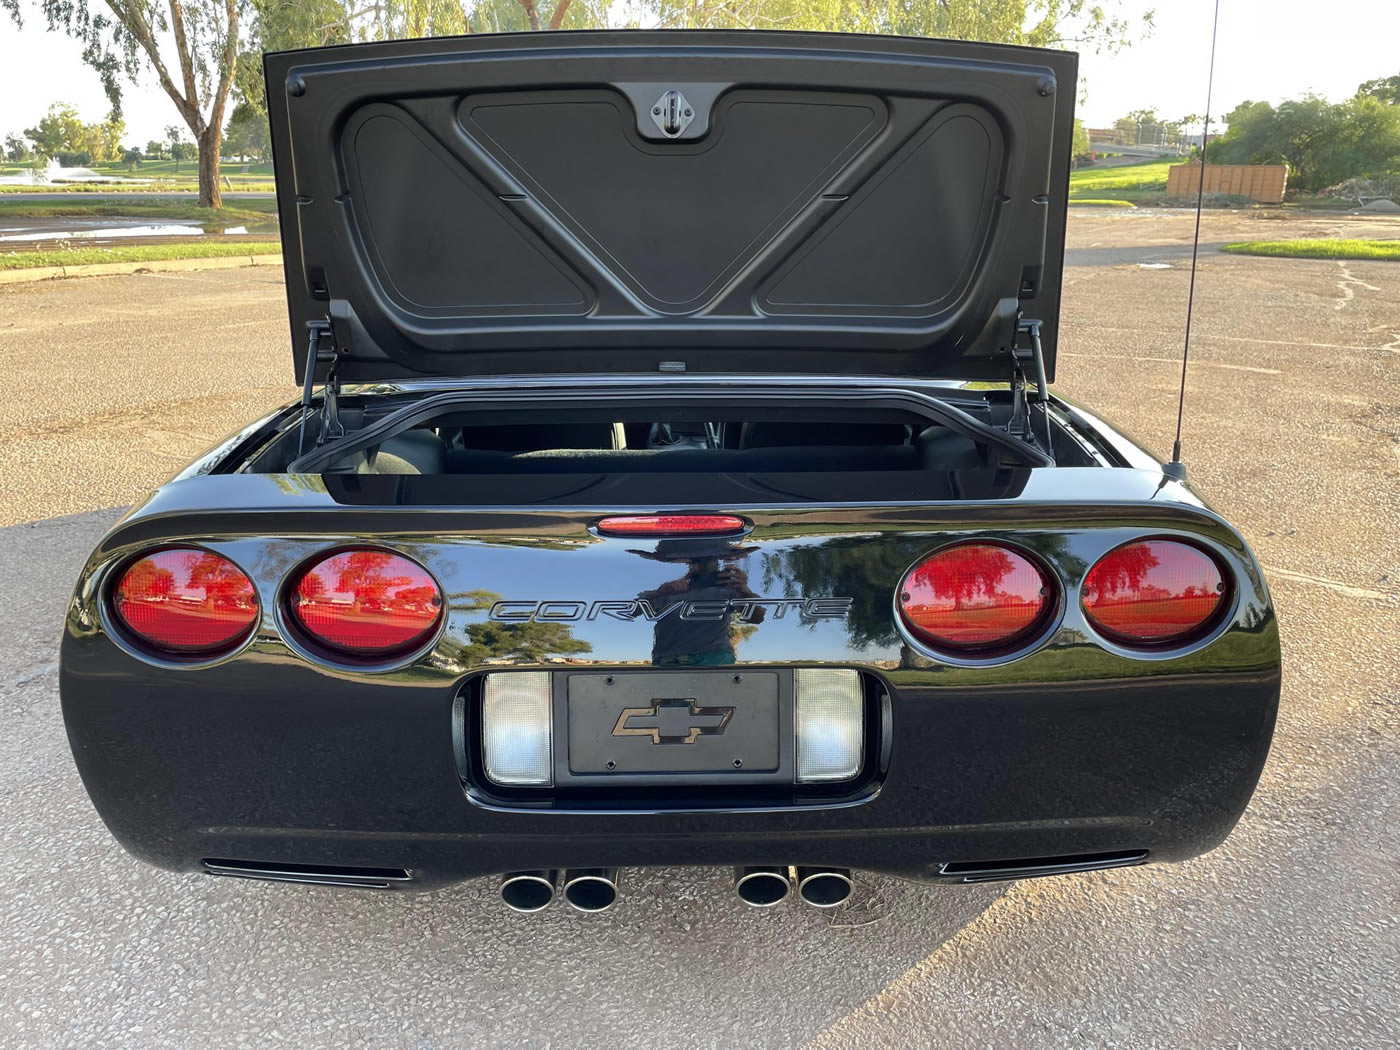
x,y
667,726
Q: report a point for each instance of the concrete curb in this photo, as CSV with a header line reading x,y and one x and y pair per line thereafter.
x,y
221,262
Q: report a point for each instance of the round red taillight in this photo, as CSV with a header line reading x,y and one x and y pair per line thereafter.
x,y
366,602
186,601
1153,593
975,597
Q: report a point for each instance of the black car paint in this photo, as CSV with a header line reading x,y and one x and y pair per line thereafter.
x,y
278,753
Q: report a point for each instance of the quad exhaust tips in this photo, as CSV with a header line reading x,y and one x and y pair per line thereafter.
x,y
824,887
762,887
595,889
529,891
590,889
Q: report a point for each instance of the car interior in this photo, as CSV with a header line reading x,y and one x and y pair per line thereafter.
x,y
447,447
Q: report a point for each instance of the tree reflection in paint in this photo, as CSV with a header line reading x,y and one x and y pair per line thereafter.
x,y
223,582
973,595
489,641
1123,571
977,575
367,601
1153,592
185,600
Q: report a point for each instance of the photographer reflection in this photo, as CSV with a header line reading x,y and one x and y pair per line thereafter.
x,y
693,625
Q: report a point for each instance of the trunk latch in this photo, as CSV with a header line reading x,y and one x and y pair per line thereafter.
x,y
672,114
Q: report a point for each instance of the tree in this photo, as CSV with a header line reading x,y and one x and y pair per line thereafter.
x,y
280,25
62,132
1322,143
556,17
59,131
16,148
247,132
1092,24
1387,89
1145,127
1081,148
102,142
155,150
121,37
131,158
177,147
1365,142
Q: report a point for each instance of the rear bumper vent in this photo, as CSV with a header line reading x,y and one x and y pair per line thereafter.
x,y
309,874
1038,867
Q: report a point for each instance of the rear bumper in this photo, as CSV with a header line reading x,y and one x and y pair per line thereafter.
x,y
278,764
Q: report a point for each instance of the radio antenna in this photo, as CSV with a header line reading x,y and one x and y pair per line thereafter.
x,y
1176,469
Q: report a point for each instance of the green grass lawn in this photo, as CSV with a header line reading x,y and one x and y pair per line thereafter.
x,y
136,253
1151,175
237,212
1319,248
1129,184
260,185
153,175
188,169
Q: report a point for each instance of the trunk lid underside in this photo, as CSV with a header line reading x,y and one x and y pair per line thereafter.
x,y
679,202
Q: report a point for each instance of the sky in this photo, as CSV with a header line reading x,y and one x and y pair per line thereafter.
x,y
1268,49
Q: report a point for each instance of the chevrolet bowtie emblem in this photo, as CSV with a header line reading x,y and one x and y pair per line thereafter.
x,y
672,721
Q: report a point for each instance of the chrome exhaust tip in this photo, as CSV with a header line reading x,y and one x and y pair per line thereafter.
x,y
762,887
824,887
591,889
529,891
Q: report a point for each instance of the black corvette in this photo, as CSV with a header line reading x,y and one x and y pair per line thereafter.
x,y
675,483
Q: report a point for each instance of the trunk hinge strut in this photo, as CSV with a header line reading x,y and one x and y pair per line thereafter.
x,y
321,347
1021,421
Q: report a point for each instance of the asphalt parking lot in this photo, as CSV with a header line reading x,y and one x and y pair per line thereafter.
x,y
1288,935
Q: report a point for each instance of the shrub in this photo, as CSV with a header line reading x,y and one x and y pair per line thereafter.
x,y
1362,190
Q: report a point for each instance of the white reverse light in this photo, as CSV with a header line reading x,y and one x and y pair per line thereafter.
x,y
515,728
830,724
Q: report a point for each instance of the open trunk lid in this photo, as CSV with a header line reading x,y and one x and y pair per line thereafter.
x,y
745,202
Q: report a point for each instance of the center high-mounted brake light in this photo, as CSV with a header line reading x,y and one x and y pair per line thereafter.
x,y
975,598
670,525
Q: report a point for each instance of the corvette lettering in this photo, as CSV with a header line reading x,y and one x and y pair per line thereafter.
x,y
746,610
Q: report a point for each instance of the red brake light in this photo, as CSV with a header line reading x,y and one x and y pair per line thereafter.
x,y
186,601
975,596
670,524
1153,592
366,602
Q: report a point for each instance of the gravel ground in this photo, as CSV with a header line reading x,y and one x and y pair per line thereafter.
x,y
1285,936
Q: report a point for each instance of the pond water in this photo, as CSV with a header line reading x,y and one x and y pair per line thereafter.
x,y
97,232
55,174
